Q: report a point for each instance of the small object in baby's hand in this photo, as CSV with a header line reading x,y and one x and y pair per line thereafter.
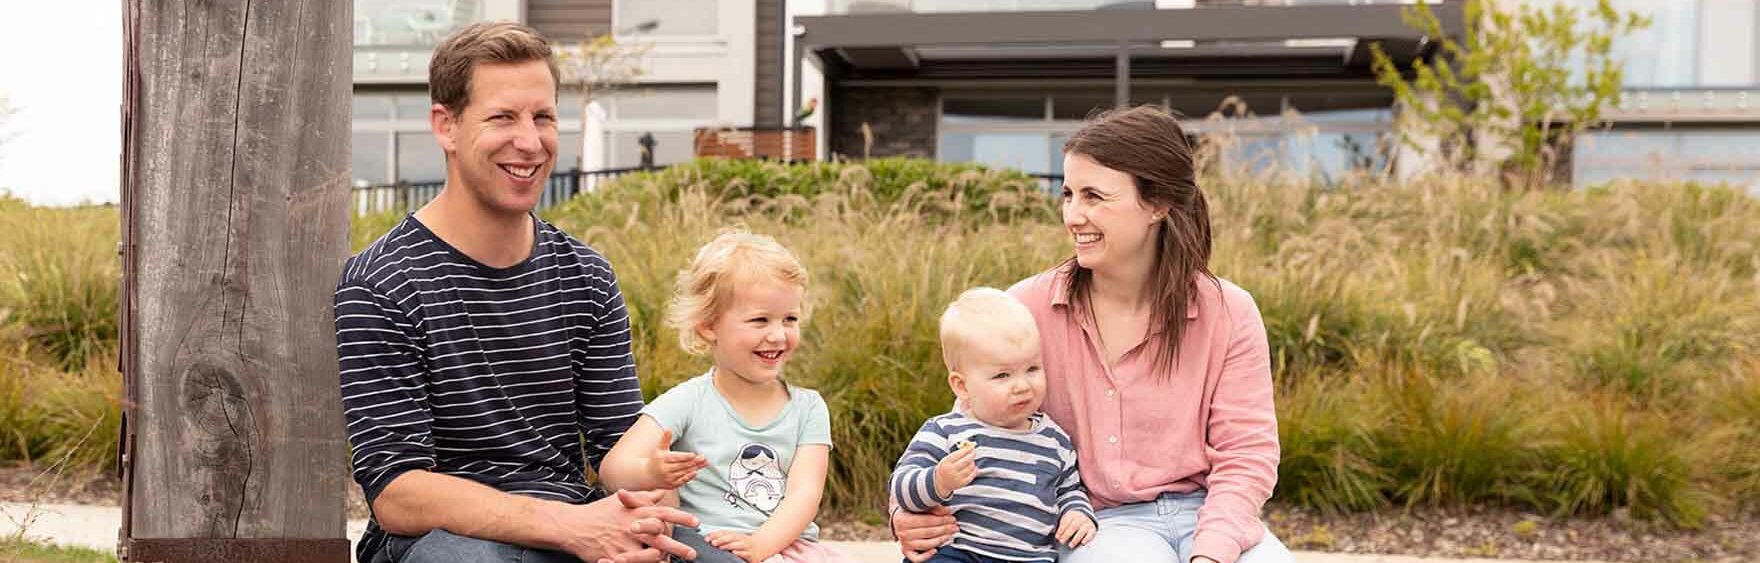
x,y
964,445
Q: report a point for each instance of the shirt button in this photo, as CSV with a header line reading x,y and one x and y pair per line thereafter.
x,y
1115,484
1109,392
1112,439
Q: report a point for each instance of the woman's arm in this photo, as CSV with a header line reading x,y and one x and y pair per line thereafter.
x,y
1241,445
920,534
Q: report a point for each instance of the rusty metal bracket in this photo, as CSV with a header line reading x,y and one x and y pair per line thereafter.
x,y
227,550
131,87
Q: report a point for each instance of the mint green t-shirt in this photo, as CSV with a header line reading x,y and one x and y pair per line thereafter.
x,y
748,466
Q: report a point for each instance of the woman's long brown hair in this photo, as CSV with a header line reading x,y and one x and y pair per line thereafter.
x,y
1148,143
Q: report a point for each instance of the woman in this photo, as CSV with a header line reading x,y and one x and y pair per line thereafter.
x,y
1158,369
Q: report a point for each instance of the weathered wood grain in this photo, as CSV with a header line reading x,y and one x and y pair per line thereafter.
x,y
237,151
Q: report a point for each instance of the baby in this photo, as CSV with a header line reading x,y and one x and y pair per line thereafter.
x,y
1005,469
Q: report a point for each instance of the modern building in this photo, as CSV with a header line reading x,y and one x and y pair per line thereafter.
x,y
1003,82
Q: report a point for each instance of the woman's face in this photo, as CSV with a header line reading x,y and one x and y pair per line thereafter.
x,y
1107,220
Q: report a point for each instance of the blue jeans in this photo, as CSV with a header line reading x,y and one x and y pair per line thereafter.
x,y
705,553
440,546
951,554
1159,531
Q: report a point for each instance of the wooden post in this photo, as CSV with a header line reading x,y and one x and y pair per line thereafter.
x,y
235,191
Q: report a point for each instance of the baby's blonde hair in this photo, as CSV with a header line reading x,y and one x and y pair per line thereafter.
x,y
706,288
980,314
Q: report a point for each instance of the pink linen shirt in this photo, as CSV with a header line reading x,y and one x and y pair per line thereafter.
x,y
1209,425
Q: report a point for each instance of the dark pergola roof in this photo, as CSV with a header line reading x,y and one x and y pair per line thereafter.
x,y
1225,42
1203,23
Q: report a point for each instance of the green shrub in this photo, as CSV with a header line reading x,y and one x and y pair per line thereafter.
x,y
363,230
1327,427
1605,456
1459,443
52,416
59,279
743,187
1732,410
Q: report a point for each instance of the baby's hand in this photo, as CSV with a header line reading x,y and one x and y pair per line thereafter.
x,y
673,469
957,469
1075,530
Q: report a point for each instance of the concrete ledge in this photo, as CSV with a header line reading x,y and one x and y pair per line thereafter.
x,y
96,527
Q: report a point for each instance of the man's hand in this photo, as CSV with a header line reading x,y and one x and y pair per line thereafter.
x,y
1075,530
736,543
919,534
672,469
956,470
630,528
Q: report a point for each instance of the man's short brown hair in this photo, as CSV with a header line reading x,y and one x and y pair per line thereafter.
x,y
449,72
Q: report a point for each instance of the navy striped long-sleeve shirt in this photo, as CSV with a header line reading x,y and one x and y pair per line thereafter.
x,y
1026,482
490,374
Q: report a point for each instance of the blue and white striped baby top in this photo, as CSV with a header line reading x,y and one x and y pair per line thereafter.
x,y
1026,482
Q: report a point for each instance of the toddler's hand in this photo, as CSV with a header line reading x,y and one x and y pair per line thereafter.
x,y
734,542
1075,529
673,469
956,470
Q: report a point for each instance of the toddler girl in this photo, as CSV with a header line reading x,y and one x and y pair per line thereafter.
x,y
746,451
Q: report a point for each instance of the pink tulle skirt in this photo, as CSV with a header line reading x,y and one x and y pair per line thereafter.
x,y
803,551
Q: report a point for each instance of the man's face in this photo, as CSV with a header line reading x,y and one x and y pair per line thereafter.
x,y
502,146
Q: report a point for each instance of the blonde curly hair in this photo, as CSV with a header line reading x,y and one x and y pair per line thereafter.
x,y
705,289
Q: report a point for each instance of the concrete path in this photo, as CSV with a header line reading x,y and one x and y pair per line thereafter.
x,y
96,527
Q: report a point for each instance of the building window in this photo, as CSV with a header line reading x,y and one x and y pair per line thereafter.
x,y
689,102
1027,152
368,107
1665,53
413,106
956,109
1712,156
671,17
408,23
371,164
1027,133
419,158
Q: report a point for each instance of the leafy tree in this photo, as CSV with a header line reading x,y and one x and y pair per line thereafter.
x,y
599,66
1511,93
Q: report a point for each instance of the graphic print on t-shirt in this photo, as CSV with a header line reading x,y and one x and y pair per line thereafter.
x,y
756,478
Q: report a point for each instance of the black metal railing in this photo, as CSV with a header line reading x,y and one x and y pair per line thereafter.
x,y
406,197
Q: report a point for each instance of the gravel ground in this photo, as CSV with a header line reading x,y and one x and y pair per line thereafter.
x,y
1504,533
1459,532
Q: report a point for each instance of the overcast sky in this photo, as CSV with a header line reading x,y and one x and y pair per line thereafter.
x,y
61,71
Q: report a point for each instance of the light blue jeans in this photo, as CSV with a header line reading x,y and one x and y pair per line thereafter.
x,y
440,546
1159,531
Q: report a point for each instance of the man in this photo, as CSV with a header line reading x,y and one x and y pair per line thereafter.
x,y
482,349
